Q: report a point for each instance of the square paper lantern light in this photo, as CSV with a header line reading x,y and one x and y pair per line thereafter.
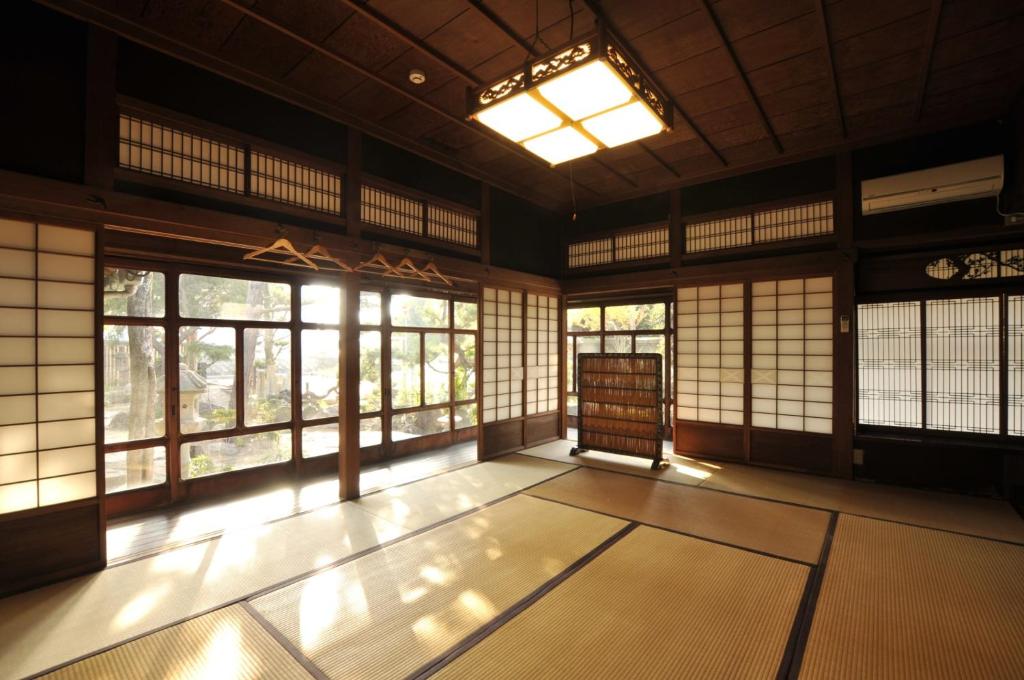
x,y
589,96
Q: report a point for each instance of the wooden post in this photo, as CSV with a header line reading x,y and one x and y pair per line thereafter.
x,y
675,227
843,298
485,223
353,184
101,124
348,458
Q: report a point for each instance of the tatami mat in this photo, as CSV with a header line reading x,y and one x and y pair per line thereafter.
x,y
417,505
227,644
952,512
680,470
776,528
654,605
45,627
902,602
390,612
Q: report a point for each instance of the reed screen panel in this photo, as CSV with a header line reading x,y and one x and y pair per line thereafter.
x,y
453,226
620,407
642,245
160,150
889,364
295,184
798,221
1015,365
541,353
502,354
591,253
391,211
962,364
47,365
721,234
709,361
791,357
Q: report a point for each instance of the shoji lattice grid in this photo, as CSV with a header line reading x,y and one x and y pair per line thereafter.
x,y
591,253
709,359
454,226
1015,364
296,184
156,149
503,354
641,245
791,358
47,373
541,353
798,221
889,364
391,211
728,232
962,364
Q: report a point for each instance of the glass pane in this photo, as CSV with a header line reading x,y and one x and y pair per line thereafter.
x,y
420,423
321,304
405,370
655,344
267,367
465,315
206,378
370,433
572,406
133,292
320,440
465,366
646,317
419,312
213,456
435,370
215,297
570,364
369,371
584,319
320,373
889,363
369,308
618,344
465,416
136,468
133,382
588,344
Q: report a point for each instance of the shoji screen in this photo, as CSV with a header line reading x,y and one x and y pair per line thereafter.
x,y
709,360
47,375
791,359
541,353
503,354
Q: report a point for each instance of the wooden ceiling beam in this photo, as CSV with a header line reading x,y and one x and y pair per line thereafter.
x,y
661,161
826,36
370,75
934,15
500,24
739,73
411,40
595,9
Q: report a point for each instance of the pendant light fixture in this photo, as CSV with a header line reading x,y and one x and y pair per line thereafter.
x,y
573,102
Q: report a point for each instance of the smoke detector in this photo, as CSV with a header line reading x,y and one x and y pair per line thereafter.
x,y
417,77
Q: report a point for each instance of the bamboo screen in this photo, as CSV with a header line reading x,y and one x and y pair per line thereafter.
x,y
709,361
763,226
541,353
502,354
620,408
629,246
791,359
47,365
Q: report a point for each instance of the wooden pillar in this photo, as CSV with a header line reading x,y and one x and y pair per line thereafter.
x,y
481,454
100,108
675,227
843,395
485,223
353,183
348,457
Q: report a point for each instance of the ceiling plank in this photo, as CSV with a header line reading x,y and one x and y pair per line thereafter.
x,y
819,9
498,22
411,40
740,74
370,75
934,15
661,161
596,9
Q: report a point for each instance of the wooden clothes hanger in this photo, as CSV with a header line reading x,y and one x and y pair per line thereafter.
x,y
321,254
284,248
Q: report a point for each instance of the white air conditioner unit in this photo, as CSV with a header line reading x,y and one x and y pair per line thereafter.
x,y
946,183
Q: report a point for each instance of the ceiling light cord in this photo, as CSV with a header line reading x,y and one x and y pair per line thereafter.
x,y
572,21
572,192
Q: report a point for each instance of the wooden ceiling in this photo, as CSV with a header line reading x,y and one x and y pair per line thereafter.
x,y
753,82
